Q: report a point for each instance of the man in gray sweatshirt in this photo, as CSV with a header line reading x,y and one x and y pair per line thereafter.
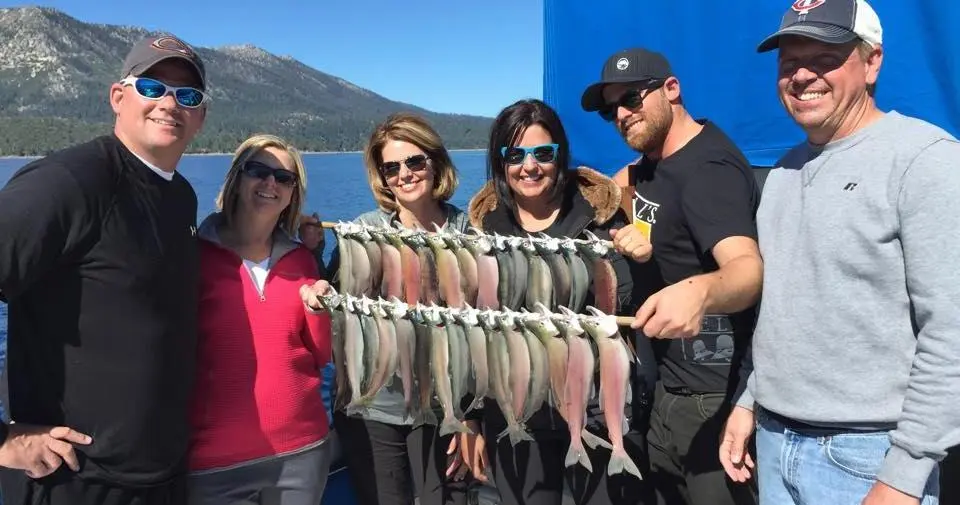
x,y
854,380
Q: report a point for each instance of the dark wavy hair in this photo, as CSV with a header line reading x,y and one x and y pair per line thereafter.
x,y
507,129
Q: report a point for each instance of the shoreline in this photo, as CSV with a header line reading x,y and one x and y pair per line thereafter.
x,y
12,157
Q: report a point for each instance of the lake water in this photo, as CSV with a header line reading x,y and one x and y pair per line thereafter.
x,y
336,189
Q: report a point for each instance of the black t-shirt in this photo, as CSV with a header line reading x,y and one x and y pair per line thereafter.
x,y
99,263
687,203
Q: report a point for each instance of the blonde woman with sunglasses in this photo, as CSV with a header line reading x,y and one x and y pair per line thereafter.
x,y
412,178
259,425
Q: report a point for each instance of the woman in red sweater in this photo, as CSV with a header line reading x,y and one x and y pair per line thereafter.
x,y
259,425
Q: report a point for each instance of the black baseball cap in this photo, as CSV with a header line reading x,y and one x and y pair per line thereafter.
x,y
152,50
829,21
628,65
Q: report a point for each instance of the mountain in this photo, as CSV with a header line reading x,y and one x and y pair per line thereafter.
x,y
55,71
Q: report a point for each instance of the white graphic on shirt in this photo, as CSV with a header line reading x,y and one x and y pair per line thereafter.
x,y
644,214
709,350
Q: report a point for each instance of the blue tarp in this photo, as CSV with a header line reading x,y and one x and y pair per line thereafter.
x,y
712,48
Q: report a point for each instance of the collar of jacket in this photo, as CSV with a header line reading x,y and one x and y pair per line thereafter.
x,y
598,191
282,242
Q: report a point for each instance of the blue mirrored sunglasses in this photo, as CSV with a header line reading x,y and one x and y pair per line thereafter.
x,y
152,89
543,153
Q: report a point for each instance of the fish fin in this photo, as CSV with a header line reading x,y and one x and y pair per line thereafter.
x,y
592,441
574,457
620,462
427,417
518,434
451,425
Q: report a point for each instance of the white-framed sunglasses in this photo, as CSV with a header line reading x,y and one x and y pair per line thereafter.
x,y
152,89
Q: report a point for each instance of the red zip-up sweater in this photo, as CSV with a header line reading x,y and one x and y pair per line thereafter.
x,y
257,391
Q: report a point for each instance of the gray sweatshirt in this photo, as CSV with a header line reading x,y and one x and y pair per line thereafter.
x,y
859,325
388,405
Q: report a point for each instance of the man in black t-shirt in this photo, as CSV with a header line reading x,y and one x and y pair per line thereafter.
x,y
696,268
99,264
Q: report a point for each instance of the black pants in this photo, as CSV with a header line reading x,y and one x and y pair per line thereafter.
x,y
684,438
389,464
533,473
950,477
62,488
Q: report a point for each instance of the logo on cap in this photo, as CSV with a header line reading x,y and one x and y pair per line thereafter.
x,y
172,44
623,63
805,6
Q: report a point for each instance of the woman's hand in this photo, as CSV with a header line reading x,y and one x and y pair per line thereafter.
x,y
472,454
310,294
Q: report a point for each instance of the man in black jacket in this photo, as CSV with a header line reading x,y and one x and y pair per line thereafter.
x,y
99,265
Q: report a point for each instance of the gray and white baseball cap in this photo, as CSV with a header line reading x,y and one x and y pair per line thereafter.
x,y
829,21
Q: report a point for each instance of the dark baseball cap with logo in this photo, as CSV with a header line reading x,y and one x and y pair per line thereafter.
x,y
152,50
628,65
828,21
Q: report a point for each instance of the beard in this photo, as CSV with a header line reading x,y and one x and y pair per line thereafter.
x,y
655,124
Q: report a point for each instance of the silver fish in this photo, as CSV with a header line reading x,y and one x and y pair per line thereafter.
x,y
614,379
578,390
440,366
406,349
579,276
498,360
477,340
386,359
353,346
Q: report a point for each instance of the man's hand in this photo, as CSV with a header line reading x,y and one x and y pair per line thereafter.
x,y
734,457
675,311
882,494
309,294
630,242
311,233
40,450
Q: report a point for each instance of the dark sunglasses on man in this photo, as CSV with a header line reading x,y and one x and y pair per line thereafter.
x,y
260,170
631,99
415,163
152,89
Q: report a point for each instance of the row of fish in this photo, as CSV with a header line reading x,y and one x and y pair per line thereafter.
x,y
484,271
521,360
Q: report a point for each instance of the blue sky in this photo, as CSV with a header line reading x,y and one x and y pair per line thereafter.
x,y
464,56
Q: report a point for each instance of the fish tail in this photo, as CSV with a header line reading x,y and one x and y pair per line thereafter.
x,y
592,441
620,462
451,425
576,455
518,434
427,416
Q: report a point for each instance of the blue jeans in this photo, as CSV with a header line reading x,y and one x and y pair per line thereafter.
x,y
817,466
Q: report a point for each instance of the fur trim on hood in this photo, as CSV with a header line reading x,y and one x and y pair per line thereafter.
x,y
599,190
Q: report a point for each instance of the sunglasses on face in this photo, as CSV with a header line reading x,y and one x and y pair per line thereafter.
x,y
543,153
415,163
261,171
631,99
152,89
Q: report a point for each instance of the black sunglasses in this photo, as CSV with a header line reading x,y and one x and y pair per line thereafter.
x,y
631,99
262,171
415,163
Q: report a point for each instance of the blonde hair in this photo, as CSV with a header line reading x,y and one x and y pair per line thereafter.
x,y
228,197
414,129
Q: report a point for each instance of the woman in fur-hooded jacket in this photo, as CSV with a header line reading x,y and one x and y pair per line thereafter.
x,y
531,190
